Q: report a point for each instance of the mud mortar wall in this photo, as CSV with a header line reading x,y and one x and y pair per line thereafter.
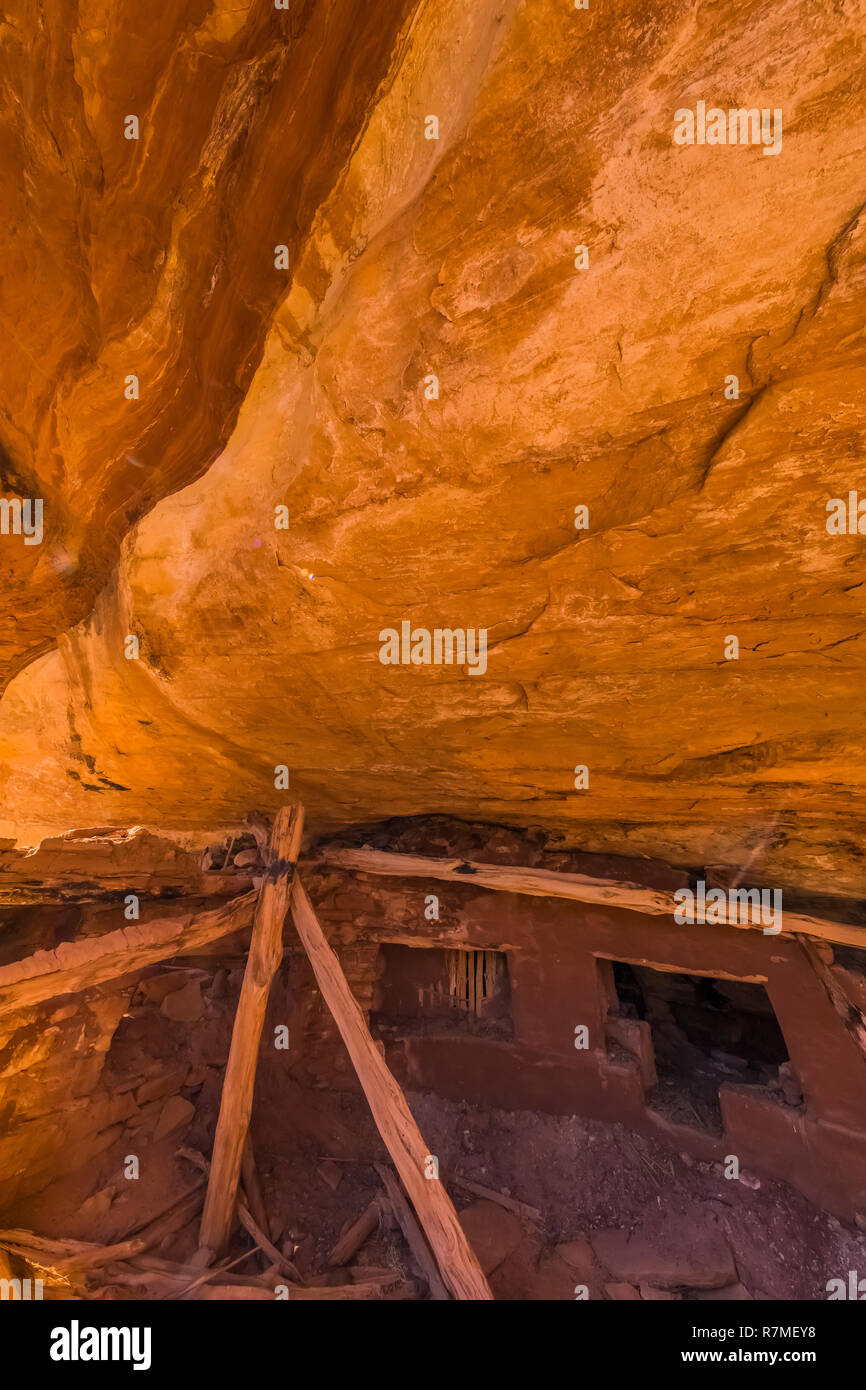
x,y
556,953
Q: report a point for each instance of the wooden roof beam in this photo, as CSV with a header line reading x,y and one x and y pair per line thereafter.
x,y
549,883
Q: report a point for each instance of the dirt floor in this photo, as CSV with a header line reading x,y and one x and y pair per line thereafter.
x,y
584,1178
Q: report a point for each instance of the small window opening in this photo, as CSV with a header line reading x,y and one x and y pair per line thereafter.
x,y
435,990
474,979
704,1032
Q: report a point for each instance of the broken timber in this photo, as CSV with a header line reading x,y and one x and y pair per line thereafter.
x,y
354,1236
266,950
852,1017
457,1263
549,883
413,1234
77,965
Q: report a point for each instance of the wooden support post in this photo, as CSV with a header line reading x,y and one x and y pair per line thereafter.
x,y
460,1269
266,950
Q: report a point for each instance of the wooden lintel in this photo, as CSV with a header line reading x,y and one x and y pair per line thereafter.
x,y
78,965
454,1255
549,883
266,950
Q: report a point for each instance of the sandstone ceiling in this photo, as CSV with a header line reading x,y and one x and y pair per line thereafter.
x,y
558,387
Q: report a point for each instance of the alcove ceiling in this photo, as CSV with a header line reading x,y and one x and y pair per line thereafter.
x,y
558,387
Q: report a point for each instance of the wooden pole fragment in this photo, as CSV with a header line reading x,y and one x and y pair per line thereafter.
x,y
264,1243
266,950
852,1017
459,1267
413,1233
354,1236
521,1209
253,1188
63,1255
548,883
375,1288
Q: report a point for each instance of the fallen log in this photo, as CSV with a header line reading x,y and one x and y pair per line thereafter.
x,y
549,883
65,1255
179,1214
266,950
331,1293
353,1238
78,965
459,1267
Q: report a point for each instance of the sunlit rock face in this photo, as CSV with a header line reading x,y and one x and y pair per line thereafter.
x,y
605,387
152,157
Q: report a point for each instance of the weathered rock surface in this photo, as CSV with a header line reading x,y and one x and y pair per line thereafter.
x,y
557,388
682,1254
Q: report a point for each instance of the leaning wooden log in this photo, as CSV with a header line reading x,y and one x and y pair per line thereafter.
x,y
548,883
78,965
459,1267
266,950
89,866
353,1238
412,1233
253,1188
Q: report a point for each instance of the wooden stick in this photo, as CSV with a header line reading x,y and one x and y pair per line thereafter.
x,y
172,1220
375,1288
413,1233
851,1016
62,1254
253,1188
521,1209
249,1224
547,883
454,1255
208,1274
77,965
359,1231
266,950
